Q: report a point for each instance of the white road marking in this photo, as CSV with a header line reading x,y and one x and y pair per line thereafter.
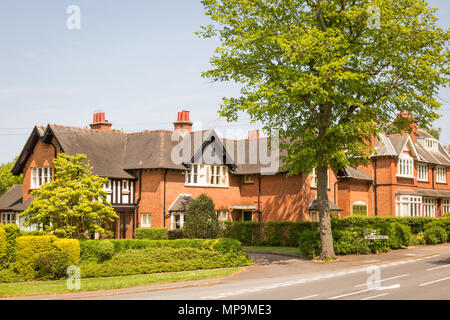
x,y
445,266
431,282
349,294
373,297
387,279
308,297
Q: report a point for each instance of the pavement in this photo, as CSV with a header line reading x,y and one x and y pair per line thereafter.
x,y
421,272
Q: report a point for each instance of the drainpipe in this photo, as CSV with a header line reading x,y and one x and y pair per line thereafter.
x,y
139,199
432,176
164,210
259,197
375,185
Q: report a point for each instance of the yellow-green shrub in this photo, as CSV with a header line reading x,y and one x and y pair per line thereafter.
x,y
71,247
2,242
27,250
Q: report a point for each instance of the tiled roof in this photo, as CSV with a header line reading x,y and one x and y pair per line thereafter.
x,y
332,206
12,199
353,173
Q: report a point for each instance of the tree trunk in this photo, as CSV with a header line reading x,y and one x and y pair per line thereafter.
x,y
326,237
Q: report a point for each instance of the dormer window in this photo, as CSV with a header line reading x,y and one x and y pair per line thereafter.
x,y
405,166
431,144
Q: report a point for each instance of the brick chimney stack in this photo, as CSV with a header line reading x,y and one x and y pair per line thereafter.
x,y
254,135
183,122
100,124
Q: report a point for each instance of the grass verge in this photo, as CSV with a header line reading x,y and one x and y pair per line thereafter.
x,y
95,284
289,250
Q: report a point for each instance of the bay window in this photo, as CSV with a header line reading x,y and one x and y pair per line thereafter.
x,y
422,172
405,166
441,174
207,175
177,220
40,176
408,206
8,218
429,207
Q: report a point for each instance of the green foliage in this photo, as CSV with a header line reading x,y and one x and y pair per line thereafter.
x,y
7,180
165,259
74,205
175,234
435,233
71,247
10,276
27,250
52,265
247,232
309,243
2,242
350,242
12,231
200,220
152,233
96,250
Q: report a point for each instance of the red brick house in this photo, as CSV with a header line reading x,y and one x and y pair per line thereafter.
x,y
147,188
408,177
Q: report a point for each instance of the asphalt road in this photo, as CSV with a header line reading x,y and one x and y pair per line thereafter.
x,y
409,279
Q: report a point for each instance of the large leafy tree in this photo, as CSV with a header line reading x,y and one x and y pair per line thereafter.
x,y
7,180
201,220
74,204
329,74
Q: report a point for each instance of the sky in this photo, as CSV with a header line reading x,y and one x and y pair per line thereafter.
x,y
139,61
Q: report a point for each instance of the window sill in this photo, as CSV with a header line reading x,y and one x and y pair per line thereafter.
x,y
441,182
425,181
406,177
205,186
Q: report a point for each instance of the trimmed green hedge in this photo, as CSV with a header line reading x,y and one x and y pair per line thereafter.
x,y
164,259
91,249
12,232
152,233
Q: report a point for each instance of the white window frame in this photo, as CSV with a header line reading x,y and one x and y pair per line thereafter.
x,y
204,175
405,166
146,220
408,206
125,186
441,174
445,206
431,144
222,216
8,218
422,172
314,215
248,179
314,180
429,207
173,220
40,176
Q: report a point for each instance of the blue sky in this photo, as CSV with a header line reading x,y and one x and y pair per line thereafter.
x,y
139,61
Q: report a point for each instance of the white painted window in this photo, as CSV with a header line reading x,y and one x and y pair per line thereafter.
x,y
405,166
431,144
441,174
222,216
446,205
146,220
429,207
314,178
248,178
207,175
40,176
408,206
315,216
177,220
422,172
8,218
108,189
125,186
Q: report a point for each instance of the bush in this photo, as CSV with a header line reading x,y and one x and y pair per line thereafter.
x,y
309,243
9,276
175,234
96,250
27,250
248,233
350,242
2,242
12,233
434,233
52,265
200,220
152,233
153,260
71,247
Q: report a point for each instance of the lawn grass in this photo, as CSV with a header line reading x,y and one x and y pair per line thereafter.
x,y
290,250
60,286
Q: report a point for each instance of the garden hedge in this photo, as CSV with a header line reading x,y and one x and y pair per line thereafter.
x,y
71,247
152,233
2,242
